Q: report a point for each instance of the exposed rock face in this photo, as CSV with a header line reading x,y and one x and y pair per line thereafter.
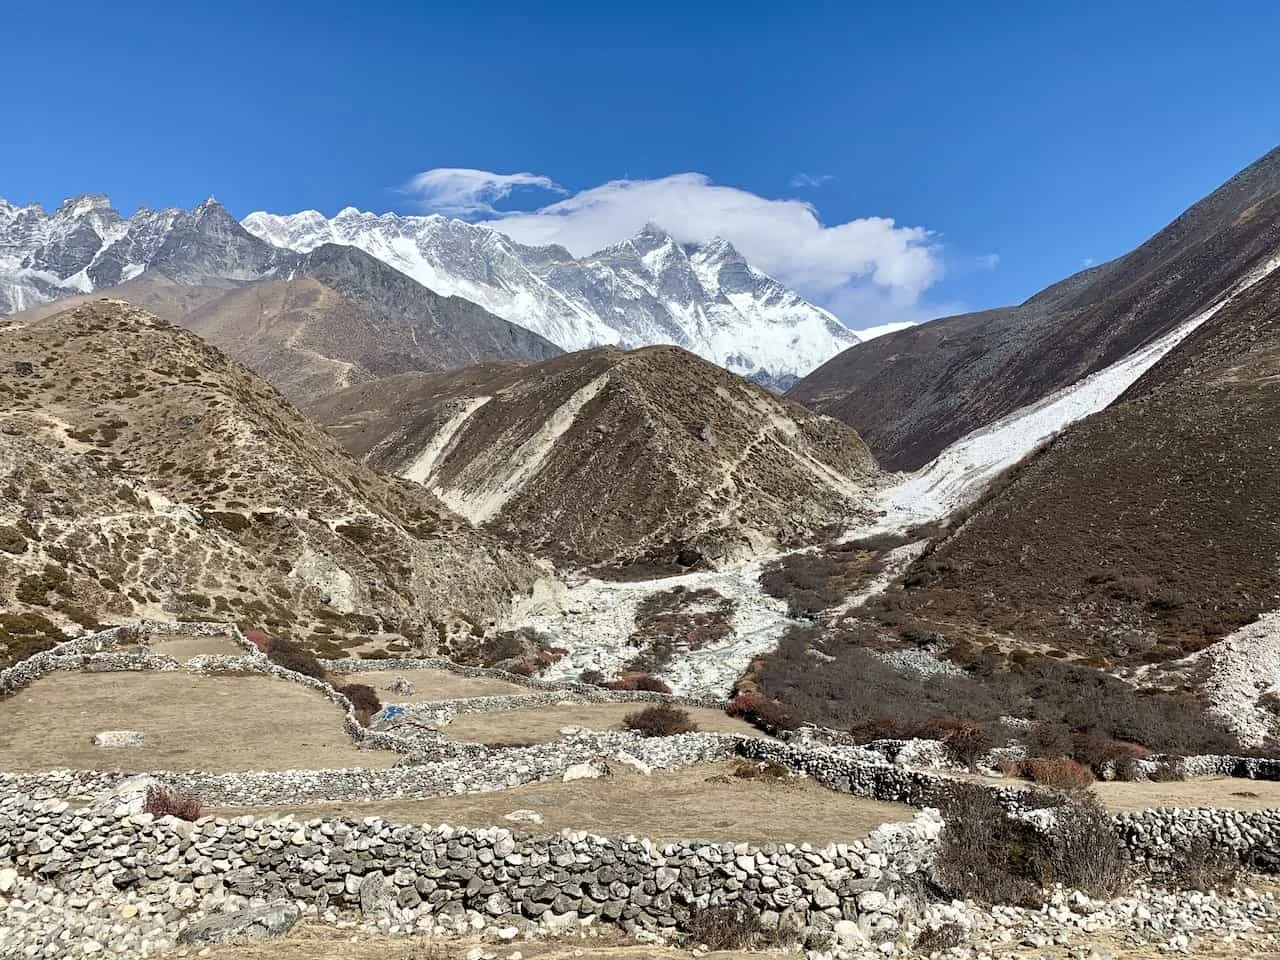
x,y
1146,531
913,392
86,245
252,923
145,473
606,456
648,289
318,322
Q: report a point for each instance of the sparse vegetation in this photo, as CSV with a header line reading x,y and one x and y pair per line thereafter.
x,y
660,720
364,700
762,713
989,855
163,802
730,927
814,580
638,681
295,657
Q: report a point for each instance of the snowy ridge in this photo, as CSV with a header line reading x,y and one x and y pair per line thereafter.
x,y
959,474
647,290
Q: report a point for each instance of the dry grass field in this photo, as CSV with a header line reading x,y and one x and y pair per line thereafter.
x,y
702,802
318,942
183,648
191,722
432,685
541,724
1205,792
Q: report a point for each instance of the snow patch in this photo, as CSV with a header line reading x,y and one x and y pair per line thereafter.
x,y
424,466
959,474
524,463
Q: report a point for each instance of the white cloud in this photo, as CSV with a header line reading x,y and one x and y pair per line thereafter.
x,y
870,333
1087,262
461,192
868,271
802,180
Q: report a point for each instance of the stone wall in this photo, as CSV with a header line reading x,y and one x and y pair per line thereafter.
x,y
456,877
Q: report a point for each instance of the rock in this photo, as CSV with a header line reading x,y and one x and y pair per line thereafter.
x,y
634,762
8,878
118,738
256,923
128,911
375,895
583,771
524,816
401,687
125,798
571,730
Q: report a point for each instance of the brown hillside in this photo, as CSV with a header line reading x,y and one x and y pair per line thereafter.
x,y
1146,531
327,320
910,394
144,473
606,455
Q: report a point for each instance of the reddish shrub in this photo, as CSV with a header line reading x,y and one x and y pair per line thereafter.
x,y
162,802
638,681
1062,774
259,638
965,740
767,715
295,657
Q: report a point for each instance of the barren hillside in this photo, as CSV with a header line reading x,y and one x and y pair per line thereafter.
x,y
326,320
912,393
612,456
144,473
1145,531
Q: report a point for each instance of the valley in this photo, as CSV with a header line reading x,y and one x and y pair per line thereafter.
x,y
316,532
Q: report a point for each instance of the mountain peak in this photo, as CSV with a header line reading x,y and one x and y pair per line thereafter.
x,y
651,231
84,203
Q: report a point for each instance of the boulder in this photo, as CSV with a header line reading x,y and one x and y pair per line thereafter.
x,y
126,798
254,923
118,738
583,771
524,816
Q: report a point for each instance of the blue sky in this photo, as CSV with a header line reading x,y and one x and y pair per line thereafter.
x,y
1022,140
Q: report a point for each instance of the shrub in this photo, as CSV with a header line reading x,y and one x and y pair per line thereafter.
x,y
744,769
1082,851
11,539
735,927
593,677
988,855
162,802
1204,867
933,940
1062,774
767,715
259,638
660,720
965,740
364,700
293,656
638,681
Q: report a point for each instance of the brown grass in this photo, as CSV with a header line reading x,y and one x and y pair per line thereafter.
x,y
1205,792
702,802
541,724
190,722
432,685
183,648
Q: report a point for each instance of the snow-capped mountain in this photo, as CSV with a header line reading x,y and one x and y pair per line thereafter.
x,y
646,290
85,245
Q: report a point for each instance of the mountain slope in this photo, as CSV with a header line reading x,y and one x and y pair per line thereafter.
x,y
85,245
612,456
343,317
912,393
146,474
1144,532
310,323
647,290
